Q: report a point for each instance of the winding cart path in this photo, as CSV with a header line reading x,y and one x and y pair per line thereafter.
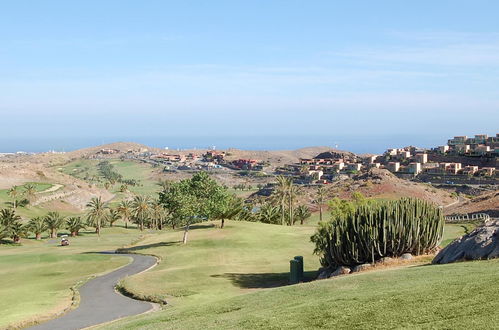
x,y
100,303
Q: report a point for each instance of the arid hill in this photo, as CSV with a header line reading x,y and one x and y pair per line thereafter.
x,y
487,203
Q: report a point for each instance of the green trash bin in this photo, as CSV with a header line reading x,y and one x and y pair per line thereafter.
x,y
294,271
300,267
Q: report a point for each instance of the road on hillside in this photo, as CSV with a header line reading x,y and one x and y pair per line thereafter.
x,y
99,302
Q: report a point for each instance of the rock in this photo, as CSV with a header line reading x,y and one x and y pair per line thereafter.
x,y
385,260
361,268
342,270
324,273
406,256
481,243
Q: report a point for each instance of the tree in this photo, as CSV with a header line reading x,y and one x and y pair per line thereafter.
x,y
112,216
269,213
11,225
97,213
292,193
74,225
163,184
141,208
281,194
302,213
13,192
125,210
158,215
54,222
37,226
29,191
320,200
197,199
229,209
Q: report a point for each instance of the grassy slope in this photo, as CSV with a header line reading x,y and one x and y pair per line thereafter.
x,y
220,263
206,282
454,296
37,275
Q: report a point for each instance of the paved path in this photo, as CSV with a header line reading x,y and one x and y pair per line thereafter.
x,y
99,302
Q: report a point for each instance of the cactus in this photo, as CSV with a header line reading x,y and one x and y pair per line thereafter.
x,y
380,229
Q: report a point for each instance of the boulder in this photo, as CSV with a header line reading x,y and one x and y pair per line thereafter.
x,y
361,268
481,243
324,273
385,260
406,256
342,270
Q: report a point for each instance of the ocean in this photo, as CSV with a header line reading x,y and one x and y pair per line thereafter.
x,y
358,144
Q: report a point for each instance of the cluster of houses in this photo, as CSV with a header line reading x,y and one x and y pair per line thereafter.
x,y
479,145
415,161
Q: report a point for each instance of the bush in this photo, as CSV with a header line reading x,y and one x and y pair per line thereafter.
x,y
379,229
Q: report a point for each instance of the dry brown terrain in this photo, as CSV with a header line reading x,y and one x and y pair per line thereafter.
x,y
488,203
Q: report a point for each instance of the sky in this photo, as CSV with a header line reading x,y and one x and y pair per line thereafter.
x,y
250,74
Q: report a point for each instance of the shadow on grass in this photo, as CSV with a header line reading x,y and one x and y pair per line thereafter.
x,y
150,246
263,280
201,226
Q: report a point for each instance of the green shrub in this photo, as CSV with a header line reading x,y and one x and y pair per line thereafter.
x,y
379,229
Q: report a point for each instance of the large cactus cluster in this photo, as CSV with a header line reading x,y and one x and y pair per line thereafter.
x,y
379,229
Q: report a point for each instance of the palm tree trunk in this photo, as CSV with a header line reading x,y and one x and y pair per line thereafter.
x,y
223,222
53,234
74,233
320,212
38,236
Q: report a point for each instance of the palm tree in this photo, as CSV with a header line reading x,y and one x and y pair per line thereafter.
x,y
164,184
74,225
293,191
37,226
303,213
230,210
16,230
112,216
321,197
54,222
29,191
158,214
269,214
281,194
141,209
13,192
11,225
125,210
97,213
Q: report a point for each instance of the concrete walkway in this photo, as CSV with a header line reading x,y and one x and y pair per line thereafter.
x,y
100,303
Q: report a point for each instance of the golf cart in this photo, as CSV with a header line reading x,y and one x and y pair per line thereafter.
x,y
64,240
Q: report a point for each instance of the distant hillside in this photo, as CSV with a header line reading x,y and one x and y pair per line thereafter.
x,y
123,147
488,203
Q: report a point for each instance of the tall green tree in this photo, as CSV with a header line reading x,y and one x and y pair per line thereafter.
x,y
74,225
197,199
54,222
112,216
229,209
37,226
141,210
125,210
303,213
97,213
321,199
269,213
11,225
29,191
280,195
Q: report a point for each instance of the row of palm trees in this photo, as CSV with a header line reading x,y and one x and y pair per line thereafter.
x,y
11,225
27,192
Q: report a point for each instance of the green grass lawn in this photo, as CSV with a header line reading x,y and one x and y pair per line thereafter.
x,y
36,277
212,281
453,296
220,263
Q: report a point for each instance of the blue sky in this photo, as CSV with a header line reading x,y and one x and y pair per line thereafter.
x,y
334,69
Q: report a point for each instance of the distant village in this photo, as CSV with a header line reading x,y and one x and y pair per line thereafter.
x,y
462,160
